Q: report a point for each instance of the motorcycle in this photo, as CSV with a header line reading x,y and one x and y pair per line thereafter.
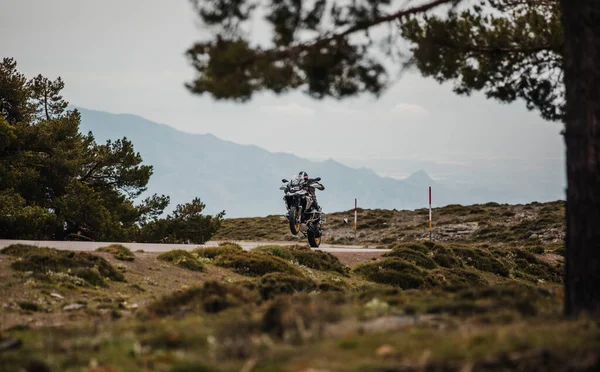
x,y
298,202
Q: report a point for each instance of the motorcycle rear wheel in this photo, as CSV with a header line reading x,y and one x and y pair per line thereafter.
x,y
313,240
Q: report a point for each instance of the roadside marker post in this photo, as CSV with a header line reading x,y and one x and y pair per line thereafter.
x,y
355,219
430,220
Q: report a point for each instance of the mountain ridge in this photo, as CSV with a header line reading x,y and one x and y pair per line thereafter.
x,y
244,179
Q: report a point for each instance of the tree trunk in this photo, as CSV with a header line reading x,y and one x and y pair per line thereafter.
x,y
581,21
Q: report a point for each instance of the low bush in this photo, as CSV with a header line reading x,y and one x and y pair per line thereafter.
x,y
396,272
47,263
255,263
414,257
118,251
213,252
181,258
274,284
212,297
481,260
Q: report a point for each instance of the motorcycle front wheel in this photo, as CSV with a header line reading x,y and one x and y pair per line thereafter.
x,y
313,239
294,221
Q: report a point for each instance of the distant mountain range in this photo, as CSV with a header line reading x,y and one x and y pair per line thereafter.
x,y
244,180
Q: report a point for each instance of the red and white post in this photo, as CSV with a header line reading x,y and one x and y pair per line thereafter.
x,y
355,219
430,220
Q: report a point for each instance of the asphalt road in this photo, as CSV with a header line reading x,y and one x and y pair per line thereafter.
x,y
150,247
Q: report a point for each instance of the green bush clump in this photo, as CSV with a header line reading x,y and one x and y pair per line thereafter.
x,y
42,262
396,272
212,297
481,260
275,250
417,247
274,284
446,258
318,260
213,252
118,251
415,257
255,263
453,279
183,259
529,264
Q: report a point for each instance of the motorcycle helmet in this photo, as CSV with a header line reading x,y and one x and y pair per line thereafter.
x,y
303,175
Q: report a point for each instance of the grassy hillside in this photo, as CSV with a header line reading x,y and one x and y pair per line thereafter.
x,y
535,224
422,306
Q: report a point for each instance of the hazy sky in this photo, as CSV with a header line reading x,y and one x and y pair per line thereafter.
x,y
128,57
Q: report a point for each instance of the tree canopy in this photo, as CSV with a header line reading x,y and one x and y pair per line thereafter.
x,y
508,49
56,183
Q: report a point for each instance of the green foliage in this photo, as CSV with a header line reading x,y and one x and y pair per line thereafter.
x,y
58,184
274,284
120,252
446,258
510,50
186,225
507,49
183,259
43,262
255,263
417,247
314,259
213,252
481,260
396,272
453,279
416,258
535,269
212,297
317,260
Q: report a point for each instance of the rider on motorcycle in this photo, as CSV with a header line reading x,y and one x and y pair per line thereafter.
x,y
311,190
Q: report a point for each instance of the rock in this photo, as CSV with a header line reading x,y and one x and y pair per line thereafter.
x,y
385,351
533,236
73,307
56,295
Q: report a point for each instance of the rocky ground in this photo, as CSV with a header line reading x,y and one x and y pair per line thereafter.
x,y
534,224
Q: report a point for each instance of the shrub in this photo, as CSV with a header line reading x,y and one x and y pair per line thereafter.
x,y
396,272
481,260
529,264
118,251
255,263
454,279
318,260
183,259
274,284
446,258
275,250
417,258
44,261
213,252
212,297
417,247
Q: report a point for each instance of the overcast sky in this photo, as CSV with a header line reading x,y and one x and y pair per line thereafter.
x,y
128,57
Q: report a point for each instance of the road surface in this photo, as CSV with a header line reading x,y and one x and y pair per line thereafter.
x,y
151,247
